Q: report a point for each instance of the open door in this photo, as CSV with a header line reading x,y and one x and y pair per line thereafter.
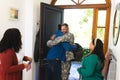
x,y
51,16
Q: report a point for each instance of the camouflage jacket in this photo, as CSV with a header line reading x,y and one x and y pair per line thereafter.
x,y
69,37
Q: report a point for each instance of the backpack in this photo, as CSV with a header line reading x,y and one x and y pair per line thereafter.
x,y
78,53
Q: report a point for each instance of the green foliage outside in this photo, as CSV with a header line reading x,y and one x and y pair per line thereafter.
x,y
86,51
100,33
88,13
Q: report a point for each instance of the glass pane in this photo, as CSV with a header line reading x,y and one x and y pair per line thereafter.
x,y
69,2
101,18
100,33
64,2
80,24
94,2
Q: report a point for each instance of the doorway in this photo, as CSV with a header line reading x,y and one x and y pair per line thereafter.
x,y
82,24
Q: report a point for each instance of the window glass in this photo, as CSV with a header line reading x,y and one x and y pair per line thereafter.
x,y
64,2
101,18
101,33
80,24
94,2
70,2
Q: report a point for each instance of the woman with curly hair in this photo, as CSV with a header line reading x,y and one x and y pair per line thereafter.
x,y
9,46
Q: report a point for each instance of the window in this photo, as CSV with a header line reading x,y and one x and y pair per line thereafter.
x,y
101,33
101,17
80,24
101,24
70,2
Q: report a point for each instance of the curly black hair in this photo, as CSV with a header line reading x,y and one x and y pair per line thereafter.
x,y
11,40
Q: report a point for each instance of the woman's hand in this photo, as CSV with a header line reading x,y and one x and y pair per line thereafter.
x,y
26,65
108,55
52,37
26,58
29,59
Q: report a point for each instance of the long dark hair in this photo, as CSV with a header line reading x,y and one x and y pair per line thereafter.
x,y
98,50
11,39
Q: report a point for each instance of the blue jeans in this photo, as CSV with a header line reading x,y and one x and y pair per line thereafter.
x,y
54,69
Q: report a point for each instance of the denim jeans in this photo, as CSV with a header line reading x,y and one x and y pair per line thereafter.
x,y
54,69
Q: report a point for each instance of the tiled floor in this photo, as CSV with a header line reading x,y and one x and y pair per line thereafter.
x,y
73,71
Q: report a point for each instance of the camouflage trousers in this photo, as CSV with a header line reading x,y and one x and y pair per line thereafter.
x,y
65,70
66,65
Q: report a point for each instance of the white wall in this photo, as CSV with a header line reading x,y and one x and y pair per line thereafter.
x,y
115,49
5,21
32,24
29,16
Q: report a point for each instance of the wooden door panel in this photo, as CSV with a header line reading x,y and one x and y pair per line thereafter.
x,y
50,17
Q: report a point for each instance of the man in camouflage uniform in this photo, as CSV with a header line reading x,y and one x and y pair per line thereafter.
x,y
67,37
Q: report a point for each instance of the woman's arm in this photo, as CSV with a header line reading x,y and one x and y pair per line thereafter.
x,y
89,66
53,37
68,37
106,64
15,66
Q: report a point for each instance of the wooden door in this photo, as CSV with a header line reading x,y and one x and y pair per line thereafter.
x,y
51,16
